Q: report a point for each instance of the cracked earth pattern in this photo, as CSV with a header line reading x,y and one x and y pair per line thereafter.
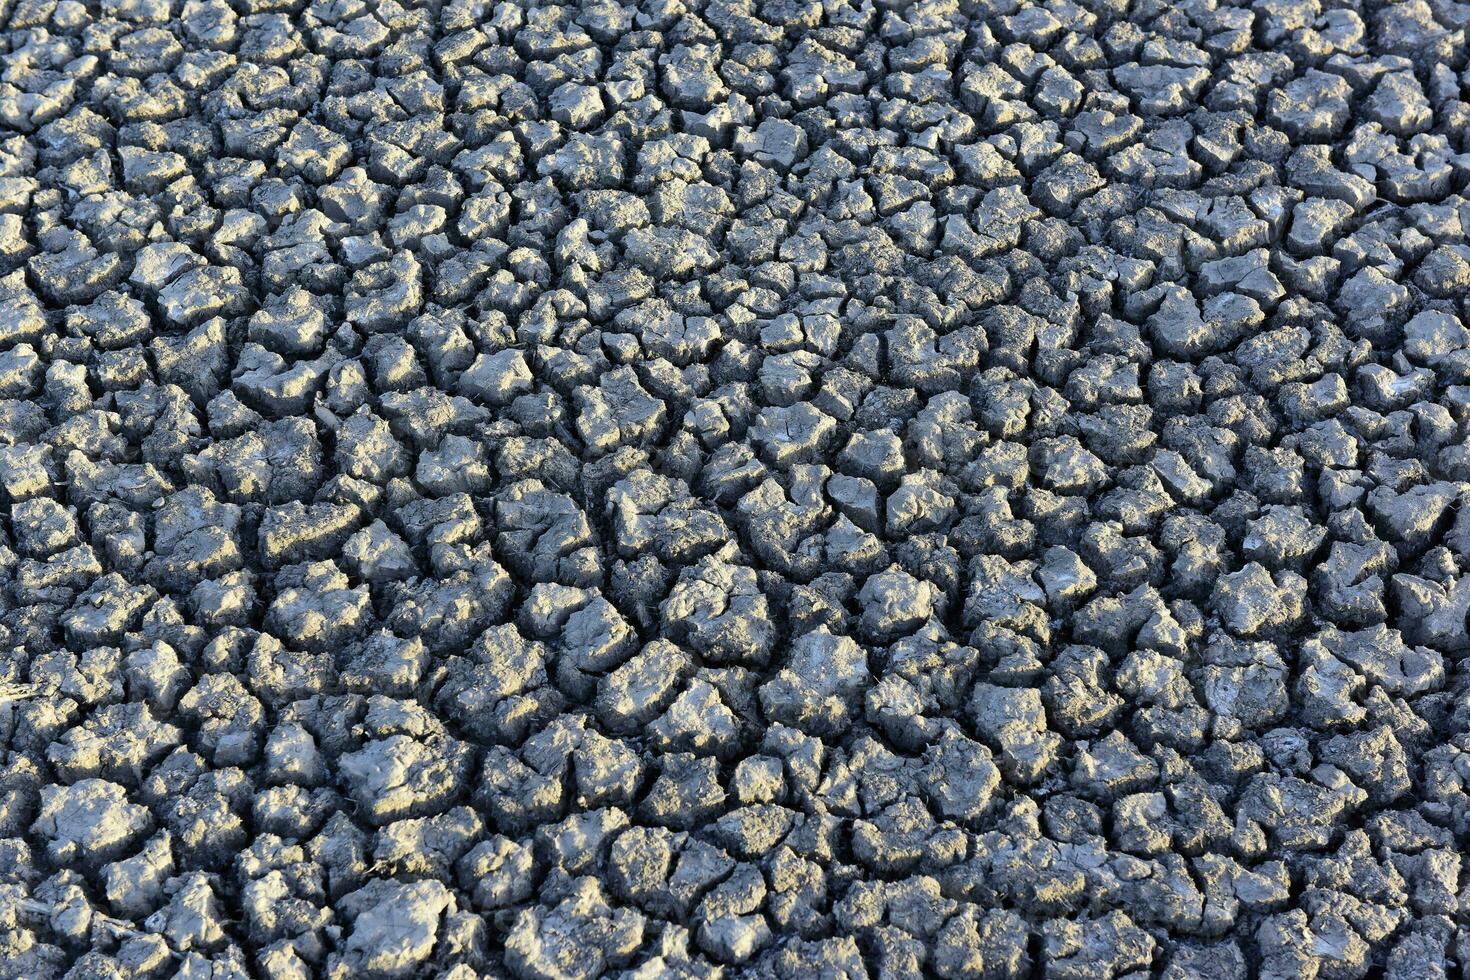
x,y
734,488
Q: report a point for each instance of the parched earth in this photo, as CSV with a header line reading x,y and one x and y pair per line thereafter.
x,y
746,488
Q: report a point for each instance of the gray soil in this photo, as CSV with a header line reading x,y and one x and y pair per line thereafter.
x,y
746,488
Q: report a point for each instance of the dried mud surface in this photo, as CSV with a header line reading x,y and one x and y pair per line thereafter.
x,y
748,488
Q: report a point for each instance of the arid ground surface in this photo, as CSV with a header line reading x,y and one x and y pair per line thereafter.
x,y
775,489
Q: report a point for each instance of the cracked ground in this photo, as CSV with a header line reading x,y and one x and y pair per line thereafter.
x,y
734,488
